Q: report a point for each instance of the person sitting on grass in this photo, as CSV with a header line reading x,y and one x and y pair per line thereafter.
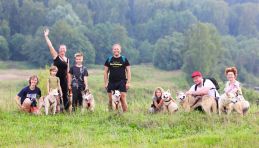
x,y
157,104
28,97
54,83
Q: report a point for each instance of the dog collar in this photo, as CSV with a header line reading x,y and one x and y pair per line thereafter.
x,y
168,100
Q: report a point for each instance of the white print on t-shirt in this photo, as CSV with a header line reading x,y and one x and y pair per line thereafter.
x,y
31,96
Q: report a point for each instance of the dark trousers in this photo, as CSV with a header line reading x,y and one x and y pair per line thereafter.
x,y
77,97
64,87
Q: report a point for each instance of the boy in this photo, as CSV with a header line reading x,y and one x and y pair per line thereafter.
x,y
77,80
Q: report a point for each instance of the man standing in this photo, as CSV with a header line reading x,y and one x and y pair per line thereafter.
x,y
117,67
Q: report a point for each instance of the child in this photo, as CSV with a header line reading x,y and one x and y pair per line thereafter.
x,y
54,83
77,80
157,104
26,99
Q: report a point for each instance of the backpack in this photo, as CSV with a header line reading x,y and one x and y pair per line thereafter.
x,y
123,59
213,80
74,79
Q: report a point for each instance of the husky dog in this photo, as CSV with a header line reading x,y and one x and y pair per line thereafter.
x,y
88,100
169,104
50,101
189,102
230,101
116,100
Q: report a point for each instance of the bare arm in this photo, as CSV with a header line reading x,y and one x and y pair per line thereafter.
x,y
17,100
68,65
53,52
158,105
48,86
86,82
128,76
105,76
200,92
69,76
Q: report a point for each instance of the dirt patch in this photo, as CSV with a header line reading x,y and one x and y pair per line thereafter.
x,y
16,74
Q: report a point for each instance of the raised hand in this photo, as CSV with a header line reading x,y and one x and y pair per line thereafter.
x,y
46,32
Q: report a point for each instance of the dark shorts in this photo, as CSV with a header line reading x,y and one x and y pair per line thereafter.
x,y
121,86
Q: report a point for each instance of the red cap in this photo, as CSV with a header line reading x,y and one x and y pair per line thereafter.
x,y
196,73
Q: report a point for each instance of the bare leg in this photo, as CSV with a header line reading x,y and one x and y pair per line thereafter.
x,y
124,102
110,102
26,106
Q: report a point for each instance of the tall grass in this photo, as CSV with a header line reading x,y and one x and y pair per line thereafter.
x,y
136,128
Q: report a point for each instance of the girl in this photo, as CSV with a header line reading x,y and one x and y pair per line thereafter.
x,y
157,104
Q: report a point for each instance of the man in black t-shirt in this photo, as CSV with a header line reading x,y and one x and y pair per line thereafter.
x,y
117,68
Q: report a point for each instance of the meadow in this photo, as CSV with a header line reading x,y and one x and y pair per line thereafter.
x,y
136,128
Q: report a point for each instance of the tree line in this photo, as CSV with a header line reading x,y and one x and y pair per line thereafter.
x,y
205,35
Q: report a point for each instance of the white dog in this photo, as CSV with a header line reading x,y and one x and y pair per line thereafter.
x,y
50,101
169,104
116,100
88,100
230,101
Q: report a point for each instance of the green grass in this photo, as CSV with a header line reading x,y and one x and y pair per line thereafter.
x,y
136,128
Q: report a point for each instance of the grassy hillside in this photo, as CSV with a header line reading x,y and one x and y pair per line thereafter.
x,y
135,128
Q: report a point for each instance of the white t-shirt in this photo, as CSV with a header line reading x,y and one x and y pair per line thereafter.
x,y
208,84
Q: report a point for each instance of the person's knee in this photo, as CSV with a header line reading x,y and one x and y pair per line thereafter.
x,y
26,106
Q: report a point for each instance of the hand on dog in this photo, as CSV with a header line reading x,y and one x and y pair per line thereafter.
x,y
69,87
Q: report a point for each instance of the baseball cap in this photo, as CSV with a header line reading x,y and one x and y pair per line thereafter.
x,y
196,73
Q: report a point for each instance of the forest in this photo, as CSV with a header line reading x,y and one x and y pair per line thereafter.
x,y
205,35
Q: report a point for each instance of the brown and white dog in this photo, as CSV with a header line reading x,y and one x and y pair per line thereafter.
x,y
88,100
116,100
230,101
50,101
189,102
169,104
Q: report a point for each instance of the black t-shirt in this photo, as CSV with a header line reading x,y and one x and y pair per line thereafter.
x,y
62,68
26,92
117,68
78,74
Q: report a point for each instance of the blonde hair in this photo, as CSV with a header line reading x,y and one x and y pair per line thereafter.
x,y
52,68
158,89
78,54
231,69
